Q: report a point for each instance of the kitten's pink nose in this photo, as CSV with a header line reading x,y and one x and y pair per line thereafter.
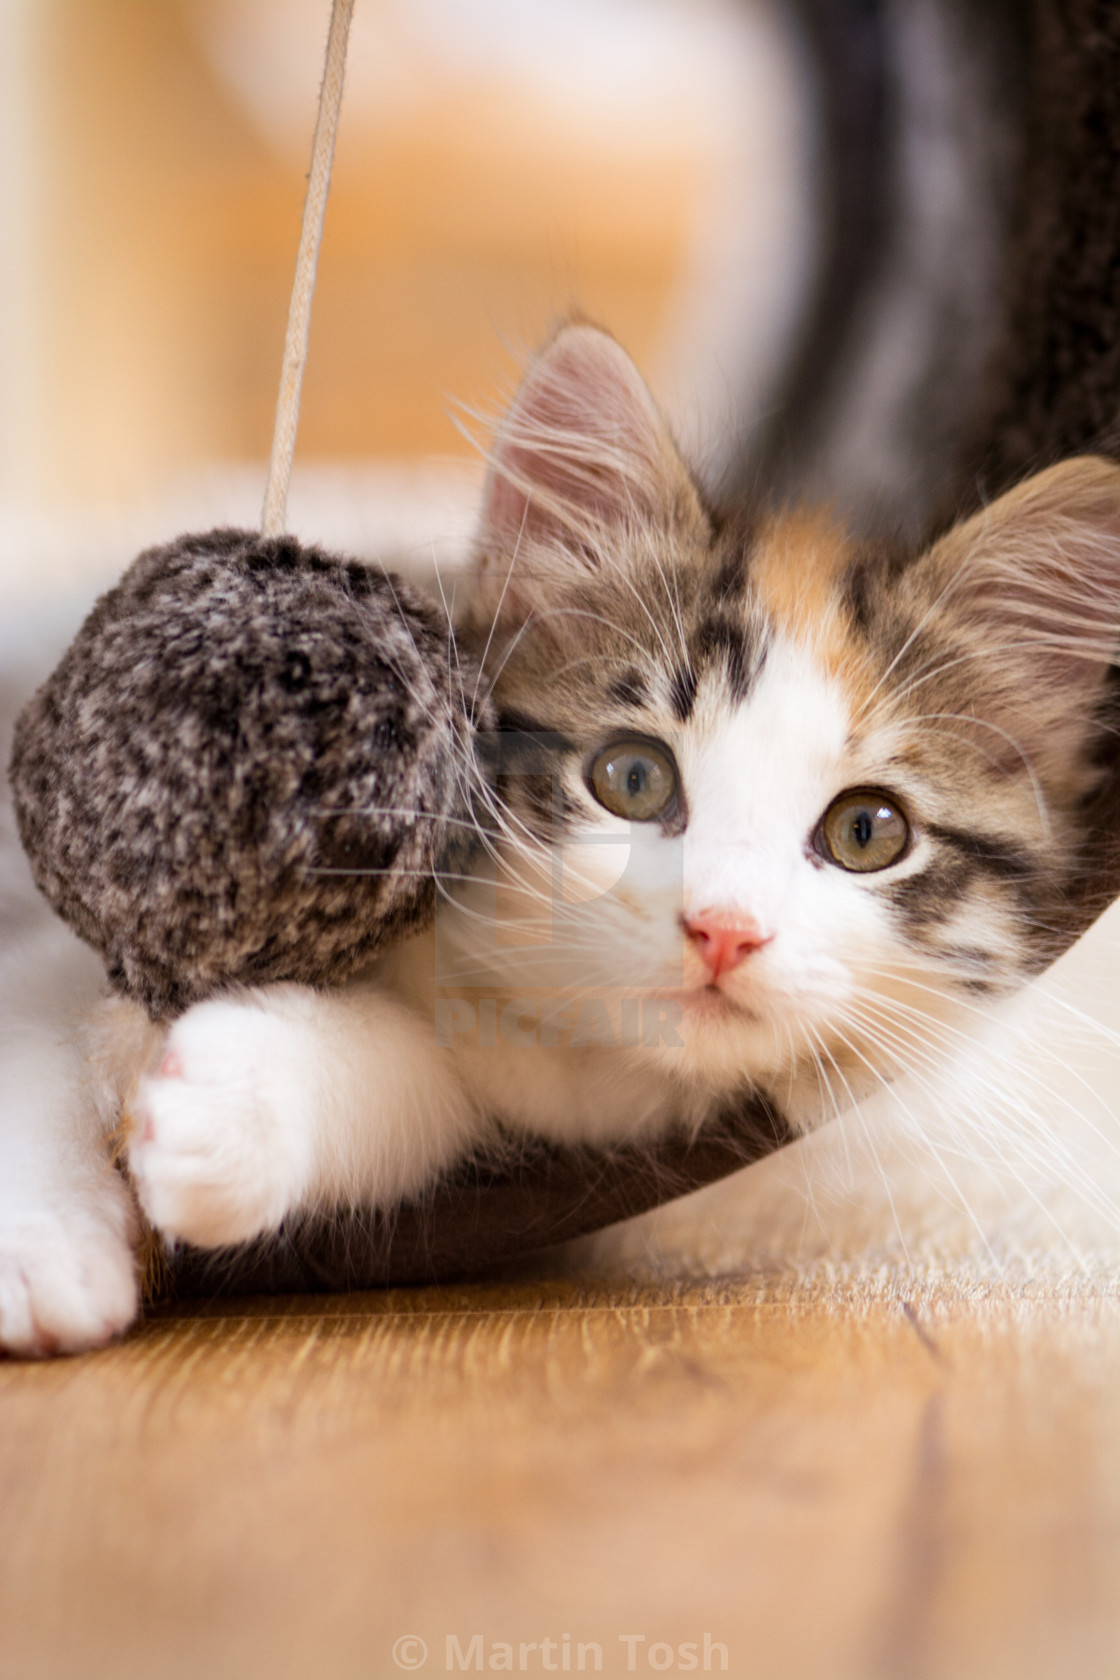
x,y
723,941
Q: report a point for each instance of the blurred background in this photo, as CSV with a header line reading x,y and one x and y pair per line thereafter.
x,y
500,163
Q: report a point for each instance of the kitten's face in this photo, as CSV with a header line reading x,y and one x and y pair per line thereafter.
x,y
818,804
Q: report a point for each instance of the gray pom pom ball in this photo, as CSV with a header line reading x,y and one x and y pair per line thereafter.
x,y
248,767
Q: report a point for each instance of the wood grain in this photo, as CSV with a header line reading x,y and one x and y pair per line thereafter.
x,y
893,1476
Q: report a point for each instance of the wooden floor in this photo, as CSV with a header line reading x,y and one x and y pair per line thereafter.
x,y
880,1476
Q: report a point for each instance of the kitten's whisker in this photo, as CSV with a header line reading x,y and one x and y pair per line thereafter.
x,y
672,597
497,613
1031,1137
824,1086
1016,746
992,649
494,677
1095,1029
395,811
905,1109
903,977
855,1108
622,576
598,618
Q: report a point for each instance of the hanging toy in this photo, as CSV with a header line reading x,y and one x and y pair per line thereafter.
x,y
254,756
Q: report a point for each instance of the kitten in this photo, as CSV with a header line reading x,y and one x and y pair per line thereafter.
x,y
773,812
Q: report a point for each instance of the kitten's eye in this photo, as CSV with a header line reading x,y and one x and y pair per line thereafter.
x,y
864,830
634,779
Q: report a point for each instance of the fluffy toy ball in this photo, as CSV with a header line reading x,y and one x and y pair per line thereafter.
x,y
248,767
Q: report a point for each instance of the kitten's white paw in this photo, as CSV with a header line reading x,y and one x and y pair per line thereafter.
x,y
68,1278
220,1149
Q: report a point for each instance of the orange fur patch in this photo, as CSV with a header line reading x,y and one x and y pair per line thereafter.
x,y
796,571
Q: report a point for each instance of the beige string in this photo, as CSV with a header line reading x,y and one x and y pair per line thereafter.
x,y
303,287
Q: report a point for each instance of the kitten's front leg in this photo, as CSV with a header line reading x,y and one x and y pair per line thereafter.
x,y
284,1098
68,1274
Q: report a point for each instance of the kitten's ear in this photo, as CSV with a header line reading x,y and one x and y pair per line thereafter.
x,y
1036,578
582,455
